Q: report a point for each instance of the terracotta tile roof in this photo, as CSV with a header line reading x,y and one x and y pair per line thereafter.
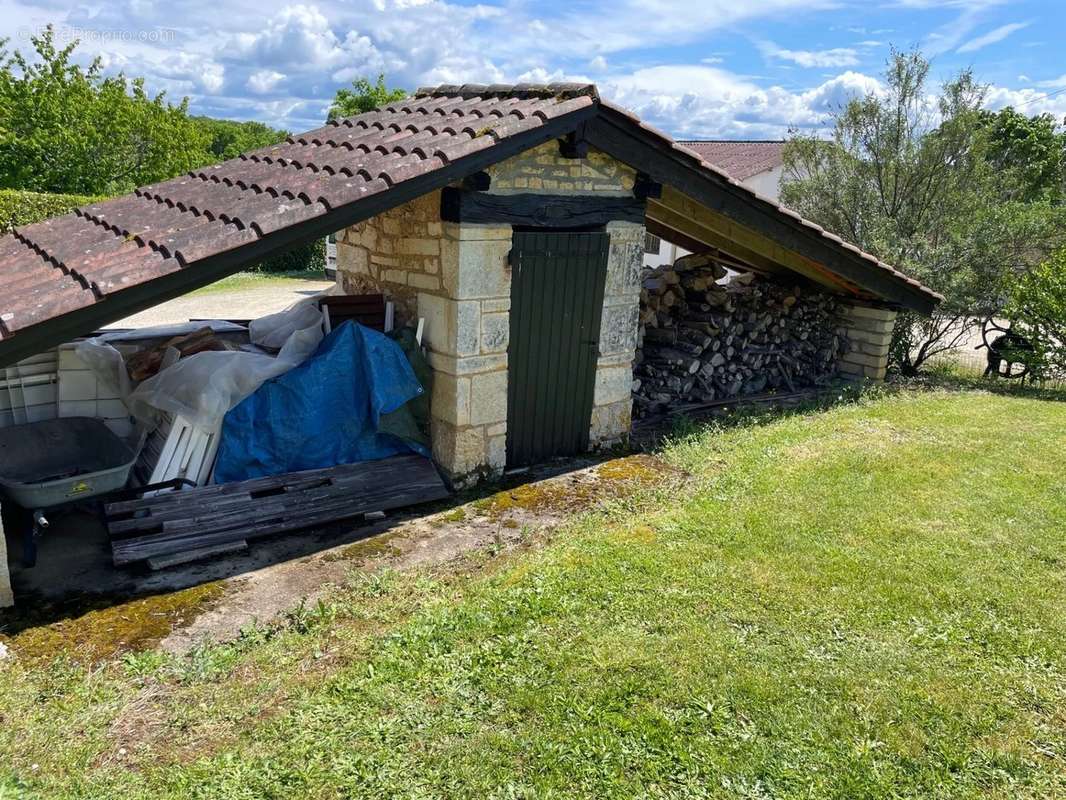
x,y
73,273
741,159
74,261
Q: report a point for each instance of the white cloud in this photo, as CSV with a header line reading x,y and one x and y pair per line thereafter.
x,y
281,61
1054,83
263,81
703,102
835,57
993,36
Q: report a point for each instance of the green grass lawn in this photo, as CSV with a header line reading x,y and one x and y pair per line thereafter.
x,y
241,281
863,602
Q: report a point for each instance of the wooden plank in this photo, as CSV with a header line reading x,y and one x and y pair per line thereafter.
x,y
126,551
394,464
194,522
675,208
538,210
188,556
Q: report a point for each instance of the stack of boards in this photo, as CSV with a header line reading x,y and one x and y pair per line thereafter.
x,y
176,527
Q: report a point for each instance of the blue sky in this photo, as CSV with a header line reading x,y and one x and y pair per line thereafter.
x,y
695,68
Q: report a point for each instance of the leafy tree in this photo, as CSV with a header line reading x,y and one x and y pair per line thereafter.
x,y
229,138
68,129
1028,153
362,97
914,179
1038,309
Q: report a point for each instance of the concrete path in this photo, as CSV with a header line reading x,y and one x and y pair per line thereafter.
x,y
241,303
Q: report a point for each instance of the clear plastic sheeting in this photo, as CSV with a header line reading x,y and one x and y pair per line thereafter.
x,y
274,330
203,387
338,407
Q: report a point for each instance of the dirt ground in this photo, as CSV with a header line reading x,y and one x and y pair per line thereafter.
x,y
243,303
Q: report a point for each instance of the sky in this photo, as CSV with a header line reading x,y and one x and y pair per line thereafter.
x,y
730,69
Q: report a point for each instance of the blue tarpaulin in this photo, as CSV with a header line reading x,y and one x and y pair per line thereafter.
x,y
327,411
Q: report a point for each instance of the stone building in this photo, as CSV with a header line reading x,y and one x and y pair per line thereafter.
x,y
457,277
511,219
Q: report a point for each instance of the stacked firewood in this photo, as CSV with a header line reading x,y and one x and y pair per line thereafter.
x,y
707,339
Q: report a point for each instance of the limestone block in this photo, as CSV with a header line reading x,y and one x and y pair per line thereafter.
x,y
610,423
394,276
618,328
434,310
613,384
419,246
451,399
467,327
378,257
857,335
870,349
864,360
495,331
471,232
625,261
497,453
866,312
480,271
459,451
353,259
499,429
496,304
469,365
422,281
488,398
452,327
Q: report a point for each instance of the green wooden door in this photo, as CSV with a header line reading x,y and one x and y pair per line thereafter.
x,y
557,285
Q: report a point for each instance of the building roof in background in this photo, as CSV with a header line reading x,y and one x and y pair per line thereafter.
x,y
71,274
741,159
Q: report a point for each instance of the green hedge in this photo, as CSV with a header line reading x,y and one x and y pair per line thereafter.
x,y
19,207
23,208
310,257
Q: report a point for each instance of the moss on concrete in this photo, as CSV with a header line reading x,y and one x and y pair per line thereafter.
x,y
578,491
383,544
96,628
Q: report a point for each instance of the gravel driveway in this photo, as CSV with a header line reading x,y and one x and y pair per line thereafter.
x,y
239,303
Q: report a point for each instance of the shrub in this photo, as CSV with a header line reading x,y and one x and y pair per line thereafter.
x,y
24,208
310,257
1038,307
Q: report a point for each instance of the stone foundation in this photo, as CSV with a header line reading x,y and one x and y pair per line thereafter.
x,y
869,333
457,278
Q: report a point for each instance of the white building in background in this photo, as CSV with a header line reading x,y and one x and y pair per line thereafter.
x,y
759,165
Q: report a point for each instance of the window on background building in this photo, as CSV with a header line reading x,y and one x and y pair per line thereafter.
x,y
652,243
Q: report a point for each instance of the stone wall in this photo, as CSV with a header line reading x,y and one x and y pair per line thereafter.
x,y
458,279
397,252
869,332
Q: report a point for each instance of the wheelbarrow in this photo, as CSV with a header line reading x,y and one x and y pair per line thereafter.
x,y
47,465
